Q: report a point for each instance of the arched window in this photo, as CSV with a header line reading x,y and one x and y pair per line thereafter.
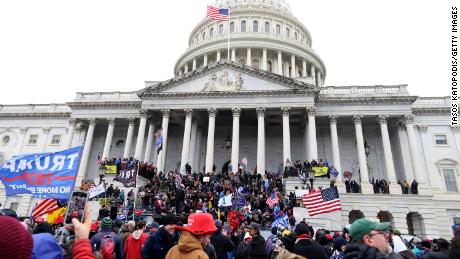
x,y
278,29
221,29
288,33
232,27
243,26
255,26
267,27
269,66
211,32
242,61
204,35
255,63
295,35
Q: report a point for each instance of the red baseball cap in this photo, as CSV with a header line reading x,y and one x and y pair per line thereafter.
x,y
200,224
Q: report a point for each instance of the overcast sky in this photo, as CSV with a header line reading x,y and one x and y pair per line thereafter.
x,y
51,49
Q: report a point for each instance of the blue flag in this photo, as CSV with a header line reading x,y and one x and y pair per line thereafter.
x,y
282,221
44,175
159,141
333,171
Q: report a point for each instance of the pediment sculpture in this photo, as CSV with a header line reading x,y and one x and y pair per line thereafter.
x,y
222,83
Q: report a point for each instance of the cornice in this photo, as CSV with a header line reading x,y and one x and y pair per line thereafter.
x,y
229,94
367,100
432,110
107,104
295,85
61,115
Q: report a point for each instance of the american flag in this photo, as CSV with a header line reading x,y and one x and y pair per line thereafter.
x,y
244,161
219,14
320,202
272,200
43,207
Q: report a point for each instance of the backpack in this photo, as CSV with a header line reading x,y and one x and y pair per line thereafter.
x,y
107,247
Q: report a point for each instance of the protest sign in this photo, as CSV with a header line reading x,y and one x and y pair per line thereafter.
x,y
44,175
127,177
95,191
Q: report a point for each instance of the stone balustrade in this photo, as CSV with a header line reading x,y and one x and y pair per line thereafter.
x,y
431,102
365,90
35,108
105,96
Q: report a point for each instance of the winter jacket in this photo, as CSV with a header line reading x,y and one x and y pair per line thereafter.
x,y
257,247
124,233
222,244
96,242
46,247
158,244
134,244
362,251
310,249
443,254
82,249
210,251
188,248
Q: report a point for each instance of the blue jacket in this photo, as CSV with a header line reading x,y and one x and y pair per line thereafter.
x,y
96,242
46,247
158,244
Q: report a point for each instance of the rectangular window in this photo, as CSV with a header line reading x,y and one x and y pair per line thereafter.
x,y
14,206
33,139
449,180
56,140
440,139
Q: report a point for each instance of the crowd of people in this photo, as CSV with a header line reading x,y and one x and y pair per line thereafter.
x,y
203,236
407,188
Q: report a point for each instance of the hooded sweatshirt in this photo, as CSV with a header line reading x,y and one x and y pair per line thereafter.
x,y
134,244
189,247
45,246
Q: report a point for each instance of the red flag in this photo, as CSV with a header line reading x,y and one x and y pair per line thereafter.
x,y
43,207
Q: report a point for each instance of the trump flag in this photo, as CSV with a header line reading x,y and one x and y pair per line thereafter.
x,y
44,175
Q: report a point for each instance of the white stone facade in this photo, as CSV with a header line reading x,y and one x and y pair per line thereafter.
x,y
272,115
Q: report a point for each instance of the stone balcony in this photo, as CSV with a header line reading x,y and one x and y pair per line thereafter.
x,y
363,91
106,96
34,110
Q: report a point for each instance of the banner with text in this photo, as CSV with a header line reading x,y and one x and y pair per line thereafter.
x,y
44,175
127,177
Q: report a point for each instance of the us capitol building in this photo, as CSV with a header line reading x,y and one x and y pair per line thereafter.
x,y
268,103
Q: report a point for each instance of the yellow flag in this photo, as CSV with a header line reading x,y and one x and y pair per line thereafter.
x,y
320,171
52,216
110,169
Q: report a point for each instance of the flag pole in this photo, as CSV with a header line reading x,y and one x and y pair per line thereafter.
x,y
228,34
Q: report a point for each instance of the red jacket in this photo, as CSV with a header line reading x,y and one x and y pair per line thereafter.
x,y
133,246
82,249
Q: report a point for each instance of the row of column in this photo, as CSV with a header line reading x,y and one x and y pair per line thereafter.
x,y
316,75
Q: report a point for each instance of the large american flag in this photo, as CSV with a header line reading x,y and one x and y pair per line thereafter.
x,y
272,200
43,207
320,202
219,14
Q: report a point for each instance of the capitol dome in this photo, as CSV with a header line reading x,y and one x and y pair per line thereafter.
x,y
264,34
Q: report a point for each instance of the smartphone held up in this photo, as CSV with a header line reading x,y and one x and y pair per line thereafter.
x,y
76,207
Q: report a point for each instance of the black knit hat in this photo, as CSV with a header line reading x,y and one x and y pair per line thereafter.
x,y
302,229
169,219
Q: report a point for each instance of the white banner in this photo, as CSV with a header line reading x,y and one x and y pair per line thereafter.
x,y
93,192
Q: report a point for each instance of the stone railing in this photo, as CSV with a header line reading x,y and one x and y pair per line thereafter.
x,y
106,96
35,108
430,102
365,90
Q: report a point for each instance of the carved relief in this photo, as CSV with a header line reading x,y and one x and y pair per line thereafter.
x,y
222,83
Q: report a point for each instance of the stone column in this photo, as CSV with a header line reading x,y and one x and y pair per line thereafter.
x,y
186,69
218,56
192,150
417,164
235,139
70,133
108,138
234,55
210,143
186,139
86,151
335,146
292,66
304,68
264,59
46,132
260,140
164,126
140,136
286,135
364,173
21,137
312,143
248,57
205,60
149,144
389,165
197,153
280,63
313,75
194,64
129,138
318,78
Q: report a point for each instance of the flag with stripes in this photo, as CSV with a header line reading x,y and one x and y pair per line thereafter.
x,y
272,200
219,14
44,207
320,202
244,161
